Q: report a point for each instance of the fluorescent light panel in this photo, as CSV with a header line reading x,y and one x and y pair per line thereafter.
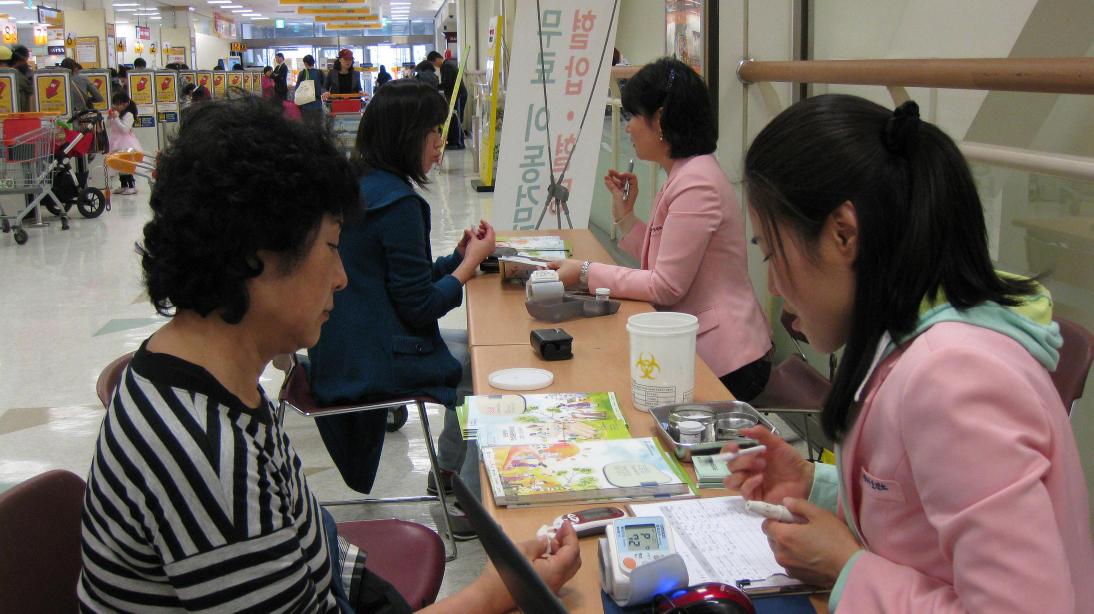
x,y
127,4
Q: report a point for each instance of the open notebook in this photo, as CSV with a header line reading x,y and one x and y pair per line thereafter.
x,y
721,542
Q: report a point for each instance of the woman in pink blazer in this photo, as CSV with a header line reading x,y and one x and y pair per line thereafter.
x,y
692,249
958,486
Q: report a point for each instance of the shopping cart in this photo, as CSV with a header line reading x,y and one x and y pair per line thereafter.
x,y
70,185
27,164
345,117
133,162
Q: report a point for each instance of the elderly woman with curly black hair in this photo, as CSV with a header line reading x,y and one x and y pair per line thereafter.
x,y
196,499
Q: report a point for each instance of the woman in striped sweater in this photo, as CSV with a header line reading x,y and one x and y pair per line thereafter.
x,y
196,499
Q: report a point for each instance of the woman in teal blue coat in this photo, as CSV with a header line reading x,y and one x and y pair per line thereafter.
x,y
383,338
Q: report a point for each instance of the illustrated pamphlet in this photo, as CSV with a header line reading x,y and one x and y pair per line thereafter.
x,y
506,419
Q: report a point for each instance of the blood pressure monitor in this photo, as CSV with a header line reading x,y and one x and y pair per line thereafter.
x,y
638,560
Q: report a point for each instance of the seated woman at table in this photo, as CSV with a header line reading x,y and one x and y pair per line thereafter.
x,y
958,485
383,338
196,498
692,250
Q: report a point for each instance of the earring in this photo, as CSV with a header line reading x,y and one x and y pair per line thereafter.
x,y
661,137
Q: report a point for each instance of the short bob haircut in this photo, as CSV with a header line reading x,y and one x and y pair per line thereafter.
x,y
237,179
921,223
687,118
394,127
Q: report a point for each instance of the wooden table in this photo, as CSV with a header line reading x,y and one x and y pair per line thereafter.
x,y
498,327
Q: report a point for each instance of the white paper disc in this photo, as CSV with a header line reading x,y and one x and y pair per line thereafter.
x,y
524,378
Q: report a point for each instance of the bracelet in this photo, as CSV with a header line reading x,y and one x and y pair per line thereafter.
x,y
617,222
583,276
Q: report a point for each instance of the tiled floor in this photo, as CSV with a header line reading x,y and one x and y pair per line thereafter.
x,y
72,301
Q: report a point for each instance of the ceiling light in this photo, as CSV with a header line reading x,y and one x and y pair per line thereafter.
x,y
260,18
232,6
11,2
120,21
155,18
25,21
126,4
126,10
219,1
242,11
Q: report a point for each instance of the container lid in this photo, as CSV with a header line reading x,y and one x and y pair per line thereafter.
x,y
690,427
523,378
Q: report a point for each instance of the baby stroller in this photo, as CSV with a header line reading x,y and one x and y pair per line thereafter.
x,y
70,180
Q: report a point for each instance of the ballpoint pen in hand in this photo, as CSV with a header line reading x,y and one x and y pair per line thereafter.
x,y
627,188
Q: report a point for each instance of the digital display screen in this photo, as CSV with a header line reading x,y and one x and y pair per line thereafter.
x,y
641,537
596,514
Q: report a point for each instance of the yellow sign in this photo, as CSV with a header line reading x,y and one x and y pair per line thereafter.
x,y
219,84
41,35
344,26
140,88
294,2
11,34
235,79
165,89
489,129
52,94
256,83
205,79
7,93
101,83
248,79
325,11
340,17
238,46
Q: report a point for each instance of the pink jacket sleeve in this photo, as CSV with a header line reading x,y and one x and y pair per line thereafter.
x,y
694,214
634,240
979,451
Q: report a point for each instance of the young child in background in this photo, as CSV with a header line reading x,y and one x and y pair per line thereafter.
x,y
119,129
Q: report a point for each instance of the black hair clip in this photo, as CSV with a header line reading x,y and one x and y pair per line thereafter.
x,y
672,77
901,128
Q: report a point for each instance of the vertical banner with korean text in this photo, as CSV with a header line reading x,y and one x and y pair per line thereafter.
x,y
574,34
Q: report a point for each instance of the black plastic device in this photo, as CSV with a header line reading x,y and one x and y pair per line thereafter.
x,y
552,344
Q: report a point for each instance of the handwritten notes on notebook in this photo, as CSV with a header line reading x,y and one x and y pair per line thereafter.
x,y
721,542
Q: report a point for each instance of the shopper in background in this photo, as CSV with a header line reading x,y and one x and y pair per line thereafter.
x,y
120,78
139,64
383,337
280,77
383,76
312,112
692,249
20,61
267,83
85,94
450,69
343,79
119,131
426,72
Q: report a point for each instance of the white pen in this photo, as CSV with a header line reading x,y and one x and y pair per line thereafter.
x,y
728,456
627,188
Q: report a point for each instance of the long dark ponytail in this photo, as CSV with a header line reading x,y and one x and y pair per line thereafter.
x,y
921,225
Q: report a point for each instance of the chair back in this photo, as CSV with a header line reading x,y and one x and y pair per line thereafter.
x,y
1076,356
40,543
110,377
296,390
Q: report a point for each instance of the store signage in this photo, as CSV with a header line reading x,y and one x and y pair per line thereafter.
x,y
55,50
296,2
165,88
145,121
327,11
239,46
11,33
41,35
7,93
52,92
573,76
51,17
279,23
144,33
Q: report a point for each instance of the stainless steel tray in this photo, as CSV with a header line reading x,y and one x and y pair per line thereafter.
x,y
683,451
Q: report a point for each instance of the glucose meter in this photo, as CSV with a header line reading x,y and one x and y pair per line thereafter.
x,y
638,560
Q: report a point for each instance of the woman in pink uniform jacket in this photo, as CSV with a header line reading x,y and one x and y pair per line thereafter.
x,y
692,250
957,486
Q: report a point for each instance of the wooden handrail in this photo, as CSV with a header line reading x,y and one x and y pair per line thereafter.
x,y
1050,75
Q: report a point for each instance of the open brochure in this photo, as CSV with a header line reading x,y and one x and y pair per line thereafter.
x,y
722,542
506,419
582,471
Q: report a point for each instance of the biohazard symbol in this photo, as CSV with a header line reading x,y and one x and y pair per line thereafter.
x,y
647,364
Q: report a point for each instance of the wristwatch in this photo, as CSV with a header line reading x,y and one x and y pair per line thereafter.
x,y
583,276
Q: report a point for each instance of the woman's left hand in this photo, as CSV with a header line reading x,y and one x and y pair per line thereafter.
x,y
814,552
568,271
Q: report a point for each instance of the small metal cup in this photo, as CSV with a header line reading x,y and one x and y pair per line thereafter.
x,y
728,425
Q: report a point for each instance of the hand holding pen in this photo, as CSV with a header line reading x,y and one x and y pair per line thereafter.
x,y
624,190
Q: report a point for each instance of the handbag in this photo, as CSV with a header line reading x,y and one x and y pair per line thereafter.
x,y
305,91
